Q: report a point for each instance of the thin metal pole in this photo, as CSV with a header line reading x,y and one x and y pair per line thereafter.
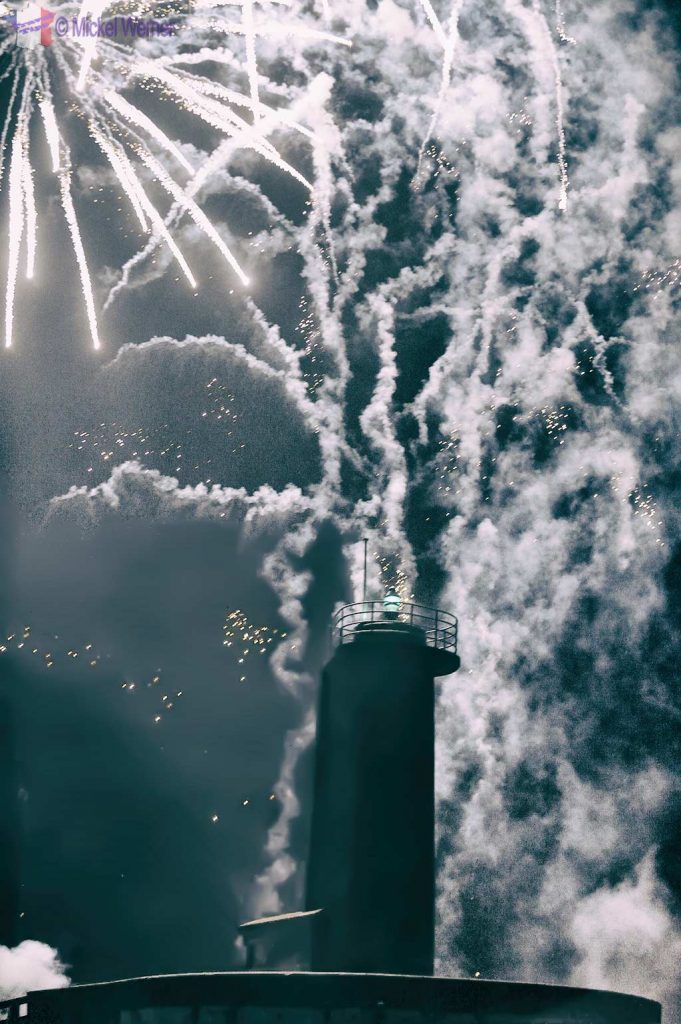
x,y
364,593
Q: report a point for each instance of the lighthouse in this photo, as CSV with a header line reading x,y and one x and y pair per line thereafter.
x,y
371,866
361,950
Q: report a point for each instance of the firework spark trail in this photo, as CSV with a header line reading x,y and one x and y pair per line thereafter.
x,y
272,29
16,229
222,92
225,120
251,63
435,22
451,40
379,429
157,221
207,87
51,129
327,139
540,40
141,204
8,117
86,284
138,118
194,211
96,91
29,206
560,112
122,171
218,160
90,10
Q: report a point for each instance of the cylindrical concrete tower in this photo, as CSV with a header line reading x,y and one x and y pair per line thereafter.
x,y
371,865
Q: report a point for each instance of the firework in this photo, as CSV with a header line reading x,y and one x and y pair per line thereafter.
x,y
88,76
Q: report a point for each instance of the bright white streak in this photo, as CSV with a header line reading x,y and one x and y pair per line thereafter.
x,y
208,88
29,207
435,22
194,211
16,230
155,218
251,65
160,229
132,114
8,120
89,9
211,166
121,172
222,92
70,214
223,119
51,130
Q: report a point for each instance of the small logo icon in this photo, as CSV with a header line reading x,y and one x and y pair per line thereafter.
x,y
32,24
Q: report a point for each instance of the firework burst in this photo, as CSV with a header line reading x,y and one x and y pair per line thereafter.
x,y
87,76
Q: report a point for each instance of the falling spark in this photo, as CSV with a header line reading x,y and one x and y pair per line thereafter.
x,y
132,114
31,218
70,214
51,130
16,230
656,280
239,630
194,211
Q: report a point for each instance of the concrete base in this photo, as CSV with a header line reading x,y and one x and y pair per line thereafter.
x,y
312,998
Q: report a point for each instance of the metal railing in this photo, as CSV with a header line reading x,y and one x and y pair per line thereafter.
x,y
439,628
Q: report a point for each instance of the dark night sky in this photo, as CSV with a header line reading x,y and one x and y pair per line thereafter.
x,y
489,391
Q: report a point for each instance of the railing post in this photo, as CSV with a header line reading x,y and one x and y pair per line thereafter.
x,y
436,636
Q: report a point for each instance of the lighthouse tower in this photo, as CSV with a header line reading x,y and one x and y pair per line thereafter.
x,y
371,868
361,952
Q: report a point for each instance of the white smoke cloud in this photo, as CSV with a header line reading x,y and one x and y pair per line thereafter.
x,y
133,491
627,939
28,967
